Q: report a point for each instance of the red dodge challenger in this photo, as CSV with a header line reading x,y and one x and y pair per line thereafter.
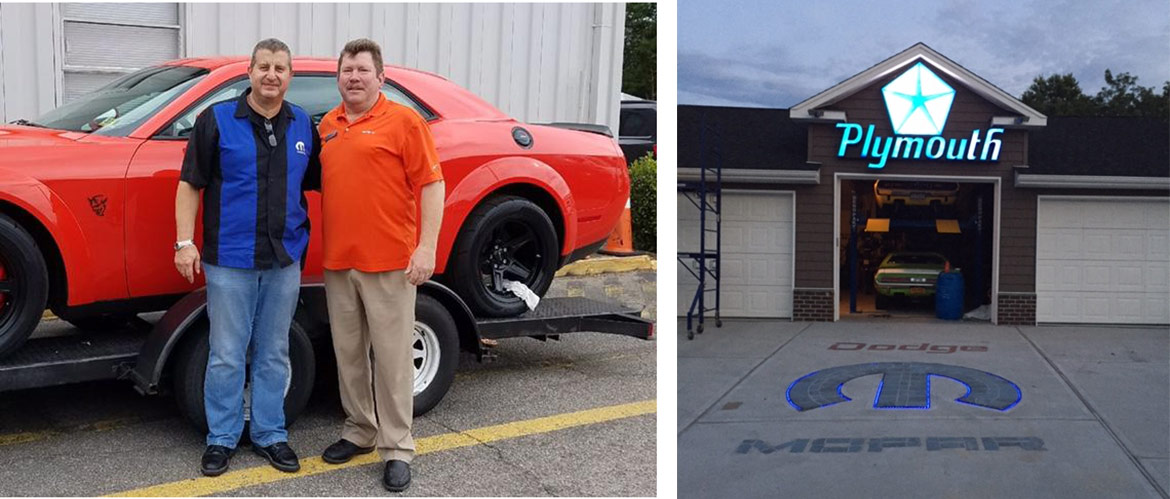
x,y
87,192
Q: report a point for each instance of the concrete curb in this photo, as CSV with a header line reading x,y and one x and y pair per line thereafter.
x,y
595,265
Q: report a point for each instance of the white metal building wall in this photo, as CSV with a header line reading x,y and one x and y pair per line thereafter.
x,y
536,62
29,74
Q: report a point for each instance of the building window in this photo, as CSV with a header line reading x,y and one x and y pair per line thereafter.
x,y
105,41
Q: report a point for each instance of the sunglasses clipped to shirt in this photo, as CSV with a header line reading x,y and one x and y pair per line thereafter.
x,y
271,134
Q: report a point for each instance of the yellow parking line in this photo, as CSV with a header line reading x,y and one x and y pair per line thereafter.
x,y
314,465
32,436
20,438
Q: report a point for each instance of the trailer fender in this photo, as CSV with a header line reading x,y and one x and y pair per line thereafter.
x,y
163,338
469,337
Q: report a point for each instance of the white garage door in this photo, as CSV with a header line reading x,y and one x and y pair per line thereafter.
x,y
757,253
1103,261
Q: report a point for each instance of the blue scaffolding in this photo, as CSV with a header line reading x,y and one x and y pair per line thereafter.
x,y
706,195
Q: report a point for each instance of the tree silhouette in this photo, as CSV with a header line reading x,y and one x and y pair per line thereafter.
x,y
1061,95
640,66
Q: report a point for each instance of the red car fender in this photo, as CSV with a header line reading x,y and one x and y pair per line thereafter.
x,y
530,171
490,178
54,215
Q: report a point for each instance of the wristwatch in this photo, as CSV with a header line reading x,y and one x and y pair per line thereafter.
x,y
183,244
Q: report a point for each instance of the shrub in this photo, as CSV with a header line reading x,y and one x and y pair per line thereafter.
x,y
644,203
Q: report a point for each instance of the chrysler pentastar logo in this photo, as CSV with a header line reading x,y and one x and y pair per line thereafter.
x,y
918,102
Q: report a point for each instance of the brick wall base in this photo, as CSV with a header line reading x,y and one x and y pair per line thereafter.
x,y
1018,309
812,305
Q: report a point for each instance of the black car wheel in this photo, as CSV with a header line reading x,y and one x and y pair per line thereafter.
x,y
190,367
506,238
24,285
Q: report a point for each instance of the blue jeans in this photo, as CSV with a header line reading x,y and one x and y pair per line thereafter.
x,y
250,313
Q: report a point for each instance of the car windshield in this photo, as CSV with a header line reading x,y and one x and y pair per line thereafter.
x,y
121,106
904,259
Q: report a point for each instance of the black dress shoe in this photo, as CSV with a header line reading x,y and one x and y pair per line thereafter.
x,y
215,460
280,456
396,478
342,451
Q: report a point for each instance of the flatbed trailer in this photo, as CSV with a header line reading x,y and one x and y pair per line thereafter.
x,y
170,355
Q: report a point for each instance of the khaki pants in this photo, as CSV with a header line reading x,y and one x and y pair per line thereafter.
x,y
374,310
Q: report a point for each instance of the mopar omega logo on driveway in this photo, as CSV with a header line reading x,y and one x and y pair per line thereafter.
x,y
904,385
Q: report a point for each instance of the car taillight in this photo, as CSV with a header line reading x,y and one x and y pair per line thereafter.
x,y
893,279
651,334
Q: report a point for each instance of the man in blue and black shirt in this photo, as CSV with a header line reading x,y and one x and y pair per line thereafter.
x,y
252,158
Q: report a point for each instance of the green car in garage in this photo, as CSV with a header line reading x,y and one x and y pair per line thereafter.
x,y
907,274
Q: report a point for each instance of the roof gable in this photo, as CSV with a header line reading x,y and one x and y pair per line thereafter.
x,y
811,109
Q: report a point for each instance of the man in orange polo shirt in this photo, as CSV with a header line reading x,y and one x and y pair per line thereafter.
x,y
374,155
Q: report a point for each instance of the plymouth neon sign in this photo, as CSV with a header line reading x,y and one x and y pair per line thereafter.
x,y
918,103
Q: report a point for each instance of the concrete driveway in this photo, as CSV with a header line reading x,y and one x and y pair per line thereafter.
x,y
1057,412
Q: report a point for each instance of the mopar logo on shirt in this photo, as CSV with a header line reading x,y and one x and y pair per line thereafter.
x,y
301,148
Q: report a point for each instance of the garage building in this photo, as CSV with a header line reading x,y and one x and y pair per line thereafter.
x,y
536,62
1049,219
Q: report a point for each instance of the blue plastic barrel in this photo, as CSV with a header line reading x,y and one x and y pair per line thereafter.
x,y
948,296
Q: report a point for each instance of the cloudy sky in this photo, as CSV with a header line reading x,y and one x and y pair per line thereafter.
x,y
761,53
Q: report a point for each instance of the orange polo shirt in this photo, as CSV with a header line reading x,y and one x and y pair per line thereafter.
x,y
370,171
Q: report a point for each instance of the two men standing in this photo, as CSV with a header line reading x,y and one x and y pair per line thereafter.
x,y
251,155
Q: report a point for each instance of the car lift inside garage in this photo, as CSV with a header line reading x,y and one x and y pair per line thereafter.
x,y
948,231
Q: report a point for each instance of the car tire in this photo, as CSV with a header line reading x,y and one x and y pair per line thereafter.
x,y
435,351
506,236
24,285
190,366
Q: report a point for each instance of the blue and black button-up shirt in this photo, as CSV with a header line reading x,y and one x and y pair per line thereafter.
x,y
253,172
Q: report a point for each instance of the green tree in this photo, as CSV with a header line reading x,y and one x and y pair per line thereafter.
x,y
640,66
1159,104
1122,96
1059,95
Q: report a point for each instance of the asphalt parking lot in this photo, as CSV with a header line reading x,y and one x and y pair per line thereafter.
x,y
574,417
1090,416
